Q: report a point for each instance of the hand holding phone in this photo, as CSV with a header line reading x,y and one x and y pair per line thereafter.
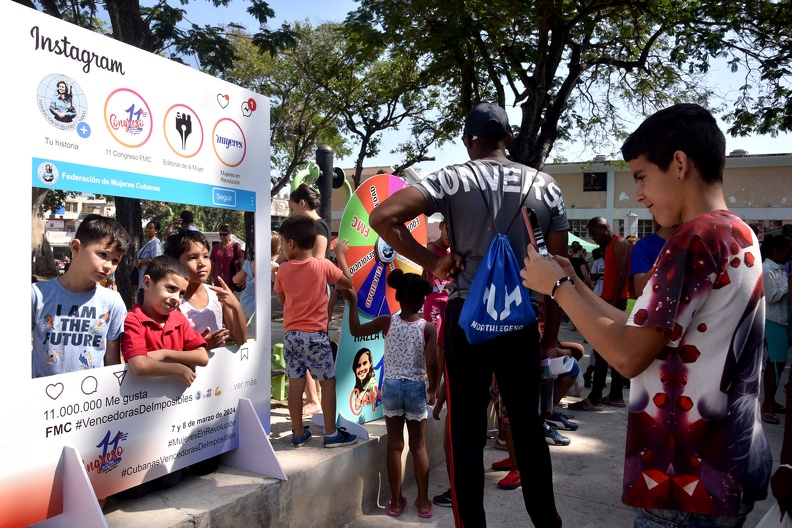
x,y
534,231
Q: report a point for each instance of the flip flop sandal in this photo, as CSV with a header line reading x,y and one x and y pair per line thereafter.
x,y
770,418
425,514
394,513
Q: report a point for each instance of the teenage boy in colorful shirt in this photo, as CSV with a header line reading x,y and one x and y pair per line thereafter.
x,y
696,451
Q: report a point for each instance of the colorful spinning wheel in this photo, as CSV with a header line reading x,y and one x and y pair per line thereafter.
x,y
370,258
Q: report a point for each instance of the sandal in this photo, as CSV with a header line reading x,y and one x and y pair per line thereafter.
x,y
771,418
613,403
424,514
394,513
585,405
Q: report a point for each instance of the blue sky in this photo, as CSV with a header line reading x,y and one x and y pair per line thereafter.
x,y
202,12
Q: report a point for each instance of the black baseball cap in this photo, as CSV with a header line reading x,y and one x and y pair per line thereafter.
x,y
487,120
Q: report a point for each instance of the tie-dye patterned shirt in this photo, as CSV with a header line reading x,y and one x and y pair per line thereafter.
x,y
694,439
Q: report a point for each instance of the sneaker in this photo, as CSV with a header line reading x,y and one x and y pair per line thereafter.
x,y
500,443
553,438
561,422
444,499
299,441
341,438
564,410
502,465
510,481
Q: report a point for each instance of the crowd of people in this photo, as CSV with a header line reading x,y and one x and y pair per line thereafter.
x,y
691,349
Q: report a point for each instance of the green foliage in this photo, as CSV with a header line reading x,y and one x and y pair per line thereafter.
x,y
54,200
206,218
300,119
583,69
374,90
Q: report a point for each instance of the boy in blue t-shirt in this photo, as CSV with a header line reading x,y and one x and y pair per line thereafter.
x,y
76,324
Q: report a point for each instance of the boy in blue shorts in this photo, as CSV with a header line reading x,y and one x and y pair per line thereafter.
x,y
77,325
301,285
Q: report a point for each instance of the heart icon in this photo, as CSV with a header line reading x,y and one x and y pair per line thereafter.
x,y
218,392
54,390
222,100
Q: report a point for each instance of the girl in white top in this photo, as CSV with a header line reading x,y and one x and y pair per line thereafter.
x,y
410,354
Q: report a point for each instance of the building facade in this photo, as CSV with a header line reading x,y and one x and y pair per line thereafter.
x,y
62,223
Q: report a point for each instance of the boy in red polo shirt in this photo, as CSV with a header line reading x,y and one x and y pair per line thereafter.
x,y
158,339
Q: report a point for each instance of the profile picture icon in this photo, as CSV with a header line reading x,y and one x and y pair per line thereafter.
x,y
48,173
61,101
62,105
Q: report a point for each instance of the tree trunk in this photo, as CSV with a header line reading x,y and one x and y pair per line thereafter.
x,y
129,213
250,240
129,26
41,253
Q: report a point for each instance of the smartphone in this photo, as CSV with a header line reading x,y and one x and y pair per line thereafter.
x,y
534,231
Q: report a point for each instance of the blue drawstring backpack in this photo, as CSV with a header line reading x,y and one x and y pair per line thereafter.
x,y
497,303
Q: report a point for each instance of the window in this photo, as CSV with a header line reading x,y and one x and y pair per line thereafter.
x,y
644,227
595,181
579,228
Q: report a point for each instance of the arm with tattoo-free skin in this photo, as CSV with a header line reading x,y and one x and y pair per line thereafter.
x,y
556,242
621,253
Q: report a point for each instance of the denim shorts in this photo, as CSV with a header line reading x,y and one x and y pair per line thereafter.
x,y
308,351
676,519
406,398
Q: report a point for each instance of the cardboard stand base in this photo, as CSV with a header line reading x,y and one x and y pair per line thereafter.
x,y
255,452
80,507
351,427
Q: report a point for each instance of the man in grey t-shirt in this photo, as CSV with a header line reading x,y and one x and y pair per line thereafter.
x,y
478,199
